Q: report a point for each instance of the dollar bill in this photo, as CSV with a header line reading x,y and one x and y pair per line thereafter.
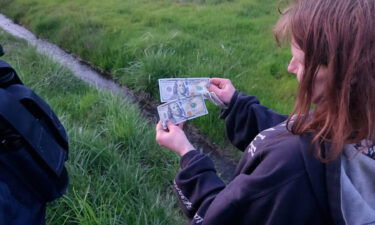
x,y
183,109
177,88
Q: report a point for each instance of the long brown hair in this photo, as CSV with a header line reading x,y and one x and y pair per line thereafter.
x,y
339,35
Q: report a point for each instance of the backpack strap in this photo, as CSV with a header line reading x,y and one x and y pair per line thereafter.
x,y
42,111
33,130
8,75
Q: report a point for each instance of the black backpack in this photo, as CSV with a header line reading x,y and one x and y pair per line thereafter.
x,y
33,142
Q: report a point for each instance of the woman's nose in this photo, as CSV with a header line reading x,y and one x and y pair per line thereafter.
x,y
292,68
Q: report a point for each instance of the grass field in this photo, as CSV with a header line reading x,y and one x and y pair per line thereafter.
x,y
139,41
118,174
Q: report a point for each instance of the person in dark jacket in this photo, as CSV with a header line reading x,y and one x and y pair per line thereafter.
x,y
33,150
314,166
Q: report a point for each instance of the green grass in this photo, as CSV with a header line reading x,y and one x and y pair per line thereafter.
x,y
139,41
118,174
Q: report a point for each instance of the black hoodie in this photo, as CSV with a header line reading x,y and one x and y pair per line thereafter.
x,y
277,181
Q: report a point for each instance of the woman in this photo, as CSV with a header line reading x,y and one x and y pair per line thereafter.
x,y
314,167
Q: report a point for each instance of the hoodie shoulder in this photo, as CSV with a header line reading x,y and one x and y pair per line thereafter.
x,y
274,149
357,186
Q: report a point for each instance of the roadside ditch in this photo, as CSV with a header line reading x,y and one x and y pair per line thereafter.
x,y
101,80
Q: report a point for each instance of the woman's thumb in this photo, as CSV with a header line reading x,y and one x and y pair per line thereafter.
x,y
170,125
214,89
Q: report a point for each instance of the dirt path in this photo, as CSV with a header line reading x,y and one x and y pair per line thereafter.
x,y
97,79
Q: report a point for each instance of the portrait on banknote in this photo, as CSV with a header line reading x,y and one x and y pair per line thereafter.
x,y
176,113
181,89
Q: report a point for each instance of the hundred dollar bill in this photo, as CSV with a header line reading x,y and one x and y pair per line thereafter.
x,y
180,110
176,88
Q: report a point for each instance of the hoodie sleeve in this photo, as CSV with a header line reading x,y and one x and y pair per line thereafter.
x,y
245,118
197,184
268,190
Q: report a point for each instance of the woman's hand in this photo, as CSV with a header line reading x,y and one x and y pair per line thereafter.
x,y
174,138
223,88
